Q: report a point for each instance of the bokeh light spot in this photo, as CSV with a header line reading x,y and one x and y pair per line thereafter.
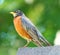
x,y
57,39
29,1
1,2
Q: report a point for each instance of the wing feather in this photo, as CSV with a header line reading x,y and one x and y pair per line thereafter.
x,y
32,30
29,27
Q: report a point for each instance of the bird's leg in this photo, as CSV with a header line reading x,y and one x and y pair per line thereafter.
x,y
27,43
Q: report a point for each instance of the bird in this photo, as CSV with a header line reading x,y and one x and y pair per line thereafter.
x,y
27,30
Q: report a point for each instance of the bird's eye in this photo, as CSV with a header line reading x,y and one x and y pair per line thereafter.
x,y
18,11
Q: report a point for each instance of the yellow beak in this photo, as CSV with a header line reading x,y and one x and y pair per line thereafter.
x,y
12,13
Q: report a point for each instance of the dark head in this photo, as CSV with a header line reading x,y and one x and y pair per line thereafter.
x,y
17,13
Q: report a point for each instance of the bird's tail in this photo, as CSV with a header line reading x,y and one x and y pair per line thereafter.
x,y
38,43
43,40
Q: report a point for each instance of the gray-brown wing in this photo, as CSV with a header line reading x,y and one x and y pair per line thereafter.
x,y
32,31
29,27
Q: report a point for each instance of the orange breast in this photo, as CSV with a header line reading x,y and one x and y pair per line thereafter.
x,y
20,30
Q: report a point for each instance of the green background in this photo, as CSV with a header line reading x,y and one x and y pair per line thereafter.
x,y
45,14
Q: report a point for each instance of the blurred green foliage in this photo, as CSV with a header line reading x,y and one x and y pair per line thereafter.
x,y
45,14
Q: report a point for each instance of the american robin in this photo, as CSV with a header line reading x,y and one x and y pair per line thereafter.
x,y
27,30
